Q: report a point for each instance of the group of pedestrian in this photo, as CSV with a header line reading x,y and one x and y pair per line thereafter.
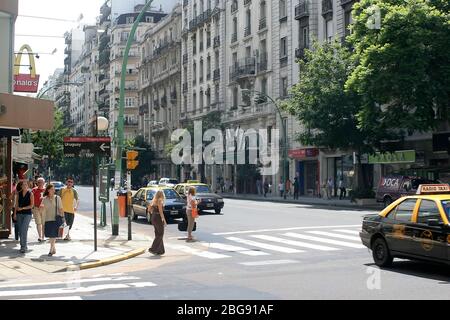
x,y
328,187
49,210
156,208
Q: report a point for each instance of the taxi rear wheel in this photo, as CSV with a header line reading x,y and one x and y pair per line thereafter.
x,y
381,254
134,216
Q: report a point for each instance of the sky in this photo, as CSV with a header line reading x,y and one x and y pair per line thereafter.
x,y
44,34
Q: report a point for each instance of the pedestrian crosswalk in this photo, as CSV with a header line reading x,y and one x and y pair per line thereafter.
x,y
282,241
70,289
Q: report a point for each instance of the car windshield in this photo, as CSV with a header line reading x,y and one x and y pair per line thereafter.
x,y
202,189
169,193
446,206
173,181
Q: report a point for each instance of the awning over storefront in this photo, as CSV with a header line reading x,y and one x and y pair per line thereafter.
x,y
26,113
7,132
303,153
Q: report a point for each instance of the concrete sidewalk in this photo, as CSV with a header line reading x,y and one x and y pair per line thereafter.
x,y
320,202
76,254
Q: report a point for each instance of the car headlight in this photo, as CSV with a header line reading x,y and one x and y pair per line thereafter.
x,y
219,200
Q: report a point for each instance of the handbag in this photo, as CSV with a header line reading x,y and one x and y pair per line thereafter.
x,y
182,226
63,228
194,212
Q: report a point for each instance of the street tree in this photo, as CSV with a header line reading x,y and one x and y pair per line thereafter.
x,y
402,52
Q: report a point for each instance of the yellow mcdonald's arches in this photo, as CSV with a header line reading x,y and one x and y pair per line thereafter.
x,y
19,58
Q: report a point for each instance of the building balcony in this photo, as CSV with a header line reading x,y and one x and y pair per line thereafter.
x,y
283,61
327,8
247,31
301,10
262,62
253,111
234,7
193,24
234,37
143,109
185,58
216,75
185,3
173,95
103,78
344,3
130,122
216,42
262,23
244,68
300,53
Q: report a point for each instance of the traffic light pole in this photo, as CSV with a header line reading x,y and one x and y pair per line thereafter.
x,y
119,140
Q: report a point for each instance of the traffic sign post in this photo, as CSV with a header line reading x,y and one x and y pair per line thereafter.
x,y
104,193
91,148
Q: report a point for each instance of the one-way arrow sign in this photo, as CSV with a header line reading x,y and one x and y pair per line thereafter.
x,y
87,147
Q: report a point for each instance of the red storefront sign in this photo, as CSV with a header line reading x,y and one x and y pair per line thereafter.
x,y
303,153
26,83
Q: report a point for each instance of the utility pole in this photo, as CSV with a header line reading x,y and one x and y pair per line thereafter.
x,y
119,137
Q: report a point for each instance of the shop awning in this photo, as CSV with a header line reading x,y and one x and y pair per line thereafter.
x,y
25,112
7,132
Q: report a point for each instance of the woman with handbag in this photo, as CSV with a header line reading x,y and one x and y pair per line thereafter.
x,y
22,213
191,212
53,214
158,222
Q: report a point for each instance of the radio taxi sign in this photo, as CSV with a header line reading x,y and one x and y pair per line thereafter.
x,y
87,147
433,189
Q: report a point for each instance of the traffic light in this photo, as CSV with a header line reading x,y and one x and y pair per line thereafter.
x,y
131,162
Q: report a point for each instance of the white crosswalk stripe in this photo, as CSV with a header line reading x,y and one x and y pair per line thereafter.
x,y
197,252
295,243
264,245
347,231
324,240
334,235
228,247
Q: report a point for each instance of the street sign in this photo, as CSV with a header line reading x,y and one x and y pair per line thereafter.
x,y
104,184
131,162
87,147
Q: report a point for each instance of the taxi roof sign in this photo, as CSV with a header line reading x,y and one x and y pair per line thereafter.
x,y
193,181
433,189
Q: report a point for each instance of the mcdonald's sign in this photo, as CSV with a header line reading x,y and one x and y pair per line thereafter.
x,y
25,82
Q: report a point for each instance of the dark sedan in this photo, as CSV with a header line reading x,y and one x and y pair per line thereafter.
x,y
174,207
208,199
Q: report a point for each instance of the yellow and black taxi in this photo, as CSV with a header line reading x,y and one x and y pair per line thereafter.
x,y
208,199
412,227
174,206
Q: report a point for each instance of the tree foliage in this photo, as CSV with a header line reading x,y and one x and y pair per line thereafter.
x,y
403,65
319,101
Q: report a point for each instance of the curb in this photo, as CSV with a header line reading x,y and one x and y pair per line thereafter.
x,y
324,205
104,262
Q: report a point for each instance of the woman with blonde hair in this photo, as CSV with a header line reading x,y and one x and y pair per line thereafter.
x,y
191,204
156,208
53,215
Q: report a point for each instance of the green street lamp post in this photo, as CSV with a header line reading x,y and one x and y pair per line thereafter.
x,y
119,132
41,94
284,148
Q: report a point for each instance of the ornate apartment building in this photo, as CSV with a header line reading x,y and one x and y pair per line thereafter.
x,y
160,87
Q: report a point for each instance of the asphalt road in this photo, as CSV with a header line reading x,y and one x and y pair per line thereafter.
x,y
257,250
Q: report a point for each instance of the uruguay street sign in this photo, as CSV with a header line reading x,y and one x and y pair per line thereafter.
x,y
87,147
104,184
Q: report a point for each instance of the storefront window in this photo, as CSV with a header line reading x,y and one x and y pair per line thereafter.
x,y
3,180
345,171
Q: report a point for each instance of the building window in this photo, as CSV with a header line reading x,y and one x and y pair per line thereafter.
x,y
248,19
283,9
216,93
235,97
149,19
329,30
304,37
130,20
283,87
283,47
348,20
194,101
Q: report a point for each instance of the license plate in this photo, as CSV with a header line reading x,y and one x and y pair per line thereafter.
x,y
173,212
210,205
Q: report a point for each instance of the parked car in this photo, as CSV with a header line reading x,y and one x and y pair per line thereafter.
x,y
58,185
394,187
414,227
174,207
208,199
169,182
